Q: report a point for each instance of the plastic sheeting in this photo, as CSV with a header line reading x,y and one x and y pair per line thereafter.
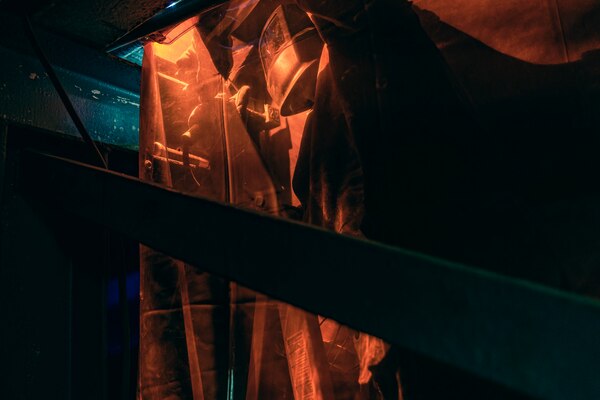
x,y
227,99
345,115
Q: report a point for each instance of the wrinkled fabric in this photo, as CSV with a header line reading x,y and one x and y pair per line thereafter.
x,y
166,350
405,117
386,105
369,130
328,177
534,217
535,31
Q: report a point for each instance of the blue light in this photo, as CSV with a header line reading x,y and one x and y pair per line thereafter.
x,y
132,285
174,3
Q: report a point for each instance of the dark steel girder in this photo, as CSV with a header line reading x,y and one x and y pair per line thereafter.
x,y
536,340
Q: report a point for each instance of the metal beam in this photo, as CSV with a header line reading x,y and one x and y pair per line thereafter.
x,y
169,16
536,340
103,90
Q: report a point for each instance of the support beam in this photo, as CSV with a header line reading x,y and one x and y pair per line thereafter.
x,y
533,339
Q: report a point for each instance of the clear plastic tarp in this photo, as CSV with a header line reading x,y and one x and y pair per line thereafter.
x,y
227,98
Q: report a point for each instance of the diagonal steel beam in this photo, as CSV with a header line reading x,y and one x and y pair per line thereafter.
x,y
533,339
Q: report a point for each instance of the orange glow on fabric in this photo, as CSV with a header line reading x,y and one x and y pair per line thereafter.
x,y
224,114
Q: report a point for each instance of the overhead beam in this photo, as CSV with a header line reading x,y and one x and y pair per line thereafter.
x,y
534,339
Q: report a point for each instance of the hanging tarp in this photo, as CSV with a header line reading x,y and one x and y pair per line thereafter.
x,y
537,31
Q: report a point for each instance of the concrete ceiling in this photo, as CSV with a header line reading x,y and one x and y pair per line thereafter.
x,y
94,22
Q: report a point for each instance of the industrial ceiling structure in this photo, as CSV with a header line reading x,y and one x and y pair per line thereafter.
x,y
93,22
